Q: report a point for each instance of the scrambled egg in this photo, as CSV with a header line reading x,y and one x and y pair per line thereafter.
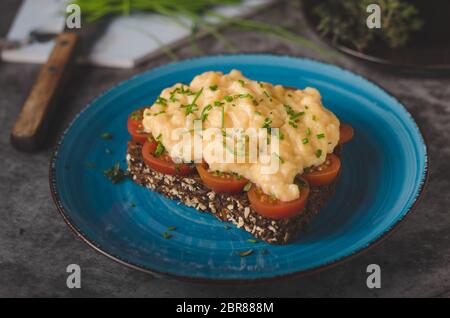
x,y
307,130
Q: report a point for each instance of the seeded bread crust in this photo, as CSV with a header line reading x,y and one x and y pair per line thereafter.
x,y
234,208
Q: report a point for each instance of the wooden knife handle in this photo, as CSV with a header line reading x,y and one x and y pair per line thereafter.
x,y
31,127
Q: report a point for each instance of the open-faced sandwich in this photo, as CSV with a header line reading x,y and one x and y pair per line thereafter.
x,y
263,157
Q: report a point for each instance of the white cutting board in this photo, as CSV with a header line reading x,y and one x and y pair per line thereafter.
x,y
128,41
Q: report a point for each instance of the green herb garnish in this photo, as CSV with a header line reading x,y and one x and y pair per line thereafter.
x,y
247,187
293,115
115,174
318,153
320,136
106,136
171,228
158,113
136,115
228,98
267,122
241,82
192,107
223,117
245,253
204,114
280,158
305,141
167,235
252,241
159,147
161,101
213,88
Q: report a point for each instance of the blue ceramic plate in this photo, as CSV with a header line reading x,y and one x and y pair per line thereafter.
x,y
384,171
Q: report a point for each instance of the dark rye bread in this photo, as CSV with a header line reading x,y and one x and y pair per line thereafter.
x,y
234,208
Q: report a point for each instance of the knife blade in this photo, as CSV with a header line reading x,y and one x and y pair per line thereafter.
x,y
31,127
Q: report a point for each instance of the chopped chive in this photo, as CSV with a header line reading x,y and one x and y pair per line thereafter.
x,y
241,82
228,98
159,147
245,253
318,153
308,131
305,141
314,117
136,116
252,241
223,117
218,103
258,113
106,136
247,187
161,101
167,235
280,158
293,124
115,174
213,88
190,108
171,228
158,113
267,122
204,114
320,136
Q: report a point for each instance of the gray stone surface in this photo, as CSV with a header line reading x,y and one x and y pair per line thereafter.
x,y
36,245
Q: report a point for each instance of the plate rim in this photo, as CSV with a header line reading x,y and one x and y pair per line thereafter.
x,y
219,281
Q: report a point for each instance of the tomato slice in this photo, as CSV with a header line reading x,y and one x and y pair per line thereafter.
x,y
163,163
135,128
221,183
325,173
345,133
272,208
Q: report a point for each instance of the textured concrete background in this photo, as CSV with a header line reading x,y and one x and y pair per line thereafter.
x,y
36,245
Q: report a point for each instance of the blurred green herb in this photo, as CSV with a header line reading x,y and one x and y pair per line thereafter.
x,y
345,22
106,136
245,253
200,14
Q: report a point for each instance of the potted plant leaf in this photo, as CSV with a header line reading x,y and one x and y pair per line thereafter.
x,y
414,35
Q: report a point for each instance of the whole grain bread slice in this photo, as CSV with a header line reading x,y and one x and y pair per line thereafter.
x,y
234,208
